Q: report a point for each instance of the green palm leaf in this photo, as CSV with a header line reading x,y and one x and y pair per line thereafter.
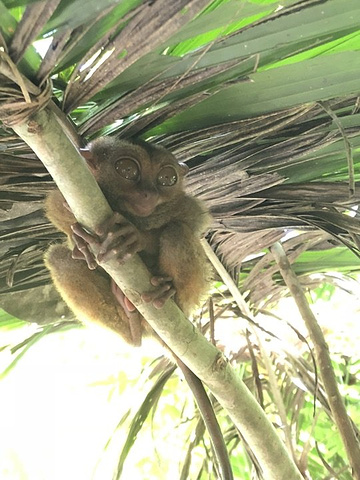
x,y
260,99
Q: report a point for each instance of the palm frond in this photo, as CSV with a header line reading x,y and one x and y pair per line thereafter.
x,y
262,103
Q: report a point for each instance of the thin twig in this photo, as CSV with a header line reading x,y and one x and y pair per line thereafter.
x,y
245,309
350,161
46,137
335,400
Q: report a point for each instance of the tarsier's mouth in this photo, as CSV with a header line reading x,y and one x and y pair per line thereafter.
x,y
142,209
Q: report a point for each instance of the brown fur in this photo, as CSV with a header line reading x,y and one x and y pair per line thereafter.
x,y
171,235
167,239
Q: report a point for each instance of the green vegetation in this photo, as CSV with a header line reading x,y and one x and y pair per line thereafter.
x,y
260,98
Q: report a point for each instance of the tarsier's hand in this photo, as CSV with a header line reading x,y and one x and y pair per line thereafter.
x,y
120,239
115,238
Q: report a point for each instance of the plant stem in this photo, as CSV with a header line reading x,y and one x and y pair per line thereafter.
x,y
46,137
322,355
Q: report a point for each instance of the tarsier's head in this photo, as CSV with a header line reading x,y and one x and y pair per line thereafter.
x,y
135,177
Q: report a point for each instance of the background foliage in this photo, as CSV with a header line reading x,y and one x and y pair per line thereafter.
x,y
260,98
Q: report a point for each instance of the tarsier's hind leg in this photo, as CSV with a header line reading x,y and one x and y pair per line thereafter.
x,y
182,257
88,293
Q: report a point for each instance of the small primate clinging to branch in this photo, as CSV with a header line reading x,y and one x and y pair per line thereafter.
x,y
152,216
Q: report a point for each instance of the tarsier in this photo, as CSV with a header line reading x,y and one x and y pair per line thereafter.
x,y
154,217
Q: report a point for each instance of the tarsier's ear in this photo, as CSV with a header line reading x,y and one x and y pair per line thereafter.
x,y
184,168
89,157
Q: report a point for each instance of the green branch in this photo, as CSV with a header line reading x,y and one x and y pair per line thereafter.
x,y
46,137
335,400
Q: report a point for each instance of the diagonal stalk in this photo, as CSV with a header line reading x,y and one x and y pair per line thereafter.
x,y
46,137
321,348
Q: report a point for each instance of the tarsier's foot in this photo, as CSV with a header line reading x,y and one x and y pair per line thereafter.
x,y
165,290
118,238
127,305
83,241
134,317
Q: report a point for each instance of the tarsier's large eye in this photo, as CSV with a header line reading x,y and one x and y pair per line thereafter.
x,y
167,176
128,168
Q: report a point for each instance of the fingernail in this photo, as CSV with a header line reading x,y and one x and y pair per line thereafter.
x,y
158,304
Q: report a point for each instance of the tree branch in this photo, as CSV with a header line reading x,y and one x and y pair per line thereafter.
x,y
321,348
45,136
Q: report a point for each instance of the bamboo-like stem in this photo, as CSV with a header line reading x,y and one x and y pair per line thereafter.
x,y
45,136
244,307
226,278
335,400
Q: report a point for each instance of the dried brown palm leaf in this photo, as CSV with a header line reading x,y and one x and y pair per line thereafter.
x,y
33,20
148,28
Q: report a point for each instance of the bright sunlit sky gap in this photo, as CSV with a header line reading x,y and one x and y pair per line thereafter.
x,y
42,45
63,400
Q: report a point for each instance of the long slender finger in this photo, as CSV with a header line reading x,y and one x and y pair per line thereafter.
x,y
84,254
131,242
159,302
163,292
116,218
77,255
159,296
120,297
158,280
82,233
119,252
122,249
117,238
